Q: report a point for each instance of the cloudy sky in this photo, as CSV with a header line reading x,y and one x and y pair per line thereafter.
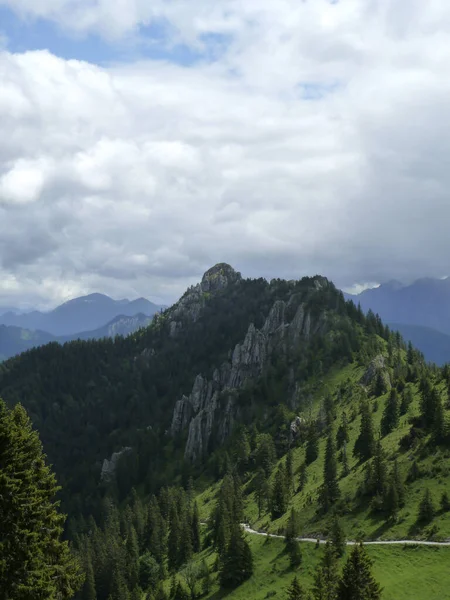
x,y
141,142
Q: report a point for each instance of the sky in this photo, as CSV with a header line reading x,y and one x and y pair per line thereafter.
x,y
142,142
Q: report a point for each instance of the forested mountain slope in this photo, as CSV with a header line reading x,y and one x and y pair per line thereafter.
x,y
275,403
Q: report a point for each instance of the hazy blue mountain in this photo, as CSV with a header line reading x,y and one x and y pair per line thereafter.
x,y
14,340
434,344
121,325
426,302
82,314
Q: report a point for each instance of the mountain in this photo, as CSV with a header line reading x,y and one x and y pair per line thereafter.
x,y
14,340
275,404
425,302
80,314
434,344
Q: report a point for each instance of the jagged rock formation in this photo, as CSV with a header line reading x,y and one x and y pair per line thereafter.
x,y
377,366
211,408
109,466
193,301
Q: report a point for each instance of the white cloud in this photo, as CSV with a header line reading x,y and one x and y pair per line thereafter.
x,y
133,179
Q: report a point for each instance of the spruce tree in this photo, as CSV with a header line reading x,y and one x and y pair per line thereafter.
x,y
261,490
406,400
88,592
34,562
345,465
312,444
291,535
280,494
391,414
365,443
289,470
338,540
326,577
445,502
236,564
378,472
295,591
426,508
343,436
357,582
303,477
195,529
330,491
132,558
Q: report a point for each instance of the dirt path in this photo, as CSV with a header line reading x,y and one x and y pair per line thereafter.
x,y
248,529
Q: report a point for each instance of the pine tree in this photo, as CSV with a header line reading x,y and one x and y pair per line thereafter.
x,y
391,414
357,582
444,502
174,541
438,424
295,591
343,436
345,465
289,470
280,494
365,444
395,492
378,472
132,558
338,540
326,578
312,444
330,491
291,535
261,490
406,401
303,477
236,564
206,578
426,508
89,592
379,387
195,529
34,562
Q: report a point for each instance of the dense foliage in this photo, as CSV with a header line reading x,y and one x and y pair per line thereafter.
x,y
34,562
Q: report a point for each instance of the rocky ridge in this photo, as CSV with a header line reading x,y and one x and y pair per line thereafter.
x,y
212,406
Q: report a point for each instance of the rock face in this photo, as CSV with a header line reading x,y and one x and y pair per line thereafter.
x,y
376,366
210,410
192,302
109,466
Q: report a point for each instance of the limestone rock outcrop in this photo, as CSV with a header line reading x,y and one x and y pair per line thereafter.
x,y
210,410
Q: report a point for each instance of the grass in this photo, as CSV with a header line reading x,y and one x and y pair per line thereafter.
x,y
357,518
405,573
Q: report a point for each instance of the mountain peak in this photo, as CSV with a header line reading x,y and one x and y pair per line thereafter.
x,y
218,277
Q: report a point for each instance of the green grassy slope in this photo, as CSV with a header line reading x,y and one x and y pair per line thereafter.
x,y
360,522
405,573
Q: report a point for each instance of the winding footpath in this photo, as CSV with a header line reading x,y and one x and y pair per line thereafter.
x,y
248,529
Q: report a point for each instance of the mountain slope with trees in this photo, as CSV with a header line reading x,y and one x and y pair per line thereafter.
x,y
275,403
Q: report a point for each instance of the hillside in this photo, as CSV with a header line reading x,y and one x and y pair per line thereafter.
x,y
252,399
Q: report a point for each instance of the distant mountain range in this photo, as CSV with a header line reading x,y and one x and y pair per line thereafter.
x,y
14,340
89,317
80,314
420,311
